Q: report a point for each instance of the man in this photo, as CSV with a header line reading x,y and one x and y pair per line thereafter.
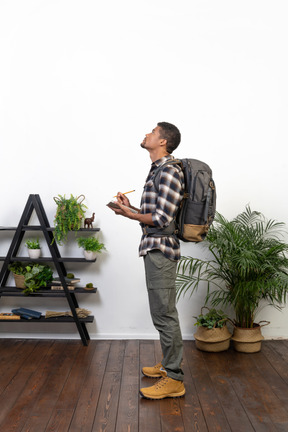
x,y
161,251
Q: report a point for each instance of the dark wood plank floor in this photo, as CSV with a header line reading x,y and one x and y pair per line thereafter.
x,y
56,385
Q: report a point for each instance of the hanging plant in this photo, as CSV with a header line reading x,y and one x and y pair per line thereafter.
x,y
69,214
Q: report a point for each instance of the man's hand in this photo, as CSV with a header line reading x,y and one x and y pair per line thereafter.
x,y
122,199
124,205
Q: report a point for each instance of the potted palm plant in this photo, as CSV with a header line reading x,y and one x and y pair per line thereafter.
x,y
91,246
248,265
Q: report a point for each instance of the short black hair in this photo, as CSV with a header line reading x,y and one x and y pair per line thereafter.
x,y
171,133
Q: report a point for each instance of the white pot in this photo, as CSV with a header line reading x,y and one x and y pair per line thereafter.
x,y
89,255
34,253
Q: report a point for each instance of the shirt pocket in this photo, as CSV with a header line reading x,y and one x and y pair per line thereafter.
x,y
149,185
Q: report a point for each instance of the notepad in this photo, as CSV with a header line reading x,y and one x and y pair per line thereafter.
x,y
113,204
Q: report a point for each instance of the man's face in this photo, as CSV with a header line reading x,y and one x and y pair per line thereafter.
x,y
152,140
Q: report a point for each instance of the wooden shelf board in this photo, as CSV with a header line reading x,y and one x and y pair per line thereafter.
x,y
39,228
63,319
18,292
49,259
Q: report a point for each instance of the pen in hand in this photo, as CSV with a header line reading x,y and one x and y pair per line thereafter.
x,y
125,193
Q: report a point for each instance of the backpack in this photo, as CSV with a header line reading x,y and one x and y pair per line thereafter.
x,y
197,209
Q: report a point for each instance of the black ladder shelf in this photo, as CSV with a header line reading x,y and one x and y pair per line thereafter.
x,y
34,203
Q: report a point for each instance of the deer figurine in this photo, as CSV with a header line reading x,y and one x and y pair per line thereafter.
x,y
88,221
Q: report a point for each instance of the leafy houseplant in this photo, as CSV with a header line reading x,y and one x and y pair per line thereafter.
x,y
33,247
91,246
248,265
35,275
69,214
212,319
212,334
33,244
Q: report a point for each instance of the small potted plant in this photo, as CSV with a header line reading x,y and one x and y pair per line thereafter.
x,y
34,249
91,246
69,215
18,270
33,276
212,334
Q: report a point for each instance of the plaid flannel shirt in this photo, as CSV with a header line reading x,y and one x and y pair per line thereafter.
x,y
163,205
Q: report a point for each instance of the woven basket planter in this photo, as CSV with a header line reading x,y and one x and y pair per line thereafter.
x,y
19,281
212,340
248,340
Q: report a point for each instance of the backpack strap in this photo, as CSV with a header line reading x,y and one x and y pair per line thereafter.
x,y
156,177
169,230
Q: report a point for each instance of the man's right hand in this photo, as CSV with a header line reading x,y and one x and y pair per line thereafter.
x,y
122,199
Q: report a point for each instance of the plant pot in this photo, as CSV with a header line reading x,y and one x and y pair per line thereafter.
x,y
212,340
19,281
89,255
248,340
34,253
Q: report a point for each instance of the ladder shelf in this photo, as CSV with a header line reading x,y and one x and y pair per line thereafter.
x,y
34,204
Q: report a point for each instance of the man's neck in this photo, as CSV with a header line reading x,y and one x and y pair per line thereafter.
x,y
157,154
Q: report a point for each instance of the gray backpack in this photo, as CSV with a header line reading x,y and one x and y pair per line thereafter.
x,y
197,210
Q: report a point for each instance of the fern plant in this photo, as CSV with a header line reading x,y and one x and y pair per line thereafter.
x,y
249,264
69,214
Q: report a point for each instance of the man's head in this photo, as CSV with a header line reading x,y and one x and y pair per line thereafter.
x,y
163,139
171,134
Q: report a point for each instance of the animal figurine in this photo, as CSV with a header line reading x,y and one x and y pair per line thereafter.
x,y
88,221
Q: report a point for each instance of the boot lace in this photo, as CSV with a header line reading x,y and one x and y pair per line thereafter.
x,y
161,383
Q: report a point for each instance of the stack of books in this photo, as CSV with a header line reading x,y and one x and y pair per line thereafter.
x,y
69,281
26,313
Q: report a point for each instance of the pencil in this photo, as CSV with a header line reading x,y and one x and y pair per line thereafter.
x,y
125,193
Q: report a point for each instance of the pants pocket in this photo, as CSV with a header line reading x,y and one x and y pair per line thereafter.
x,y
160,271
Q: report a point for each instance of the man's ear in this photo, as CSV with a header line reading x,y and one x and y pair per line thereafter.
x,y
163,142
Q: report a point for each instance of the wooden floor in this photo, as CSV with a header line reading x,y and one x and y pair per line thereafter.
x,y
53,385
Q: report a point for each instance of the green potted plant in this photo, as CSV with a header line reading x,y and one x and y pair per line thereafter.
x,y
34,248
34,276
18,270
91,246
212,334
248,265
69,215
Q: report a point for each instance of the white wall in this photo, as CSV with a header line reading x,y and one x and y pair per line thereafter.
x,y
80,85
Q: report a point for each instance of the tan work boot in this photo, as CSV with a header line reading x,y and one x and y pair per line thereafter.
x,y
165,387
156,371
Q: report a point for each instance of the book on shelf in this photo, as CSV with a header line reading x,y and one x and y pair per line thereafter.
x,y
60,287
67,280
26,313
9,316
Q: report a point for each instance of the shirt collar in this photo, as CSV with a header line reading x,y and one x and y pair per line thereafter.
x,y
162,160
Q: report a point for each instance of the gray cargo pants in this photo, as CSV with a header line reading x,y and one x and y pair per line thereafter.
x,y
160,279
